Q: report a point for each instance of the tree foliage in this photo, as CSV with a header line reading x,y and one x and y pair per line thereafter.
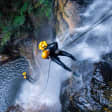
x,y
14,17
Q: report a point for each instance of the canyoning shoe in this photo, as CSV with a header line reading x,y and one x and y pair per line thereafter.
x,y
75,74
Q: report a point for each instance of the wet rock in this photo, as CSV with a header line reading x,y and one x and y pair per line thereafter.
x,y
96,93
106,71
104,68
101,85
70,16
16,108
66,14
42,108
3,58
74,101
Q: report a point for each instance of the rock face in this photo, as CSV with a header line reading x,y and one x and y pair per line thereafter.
x,y
3,58
66,14
95,95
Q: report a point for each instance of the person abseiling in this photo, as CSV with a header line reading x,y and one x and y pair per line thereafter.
x,y
51,51
27,77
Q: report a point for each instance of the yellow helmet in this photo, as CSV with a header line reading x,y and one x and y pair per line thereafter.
x,y
24,73
25,77
45,54
43,45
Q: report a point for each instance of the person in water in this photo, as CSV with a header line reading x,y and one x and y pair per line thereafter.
x,y
51,51
27,77
24,75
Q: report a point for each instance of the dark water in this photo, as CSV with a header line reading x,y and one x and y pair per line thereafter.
x,y
10,81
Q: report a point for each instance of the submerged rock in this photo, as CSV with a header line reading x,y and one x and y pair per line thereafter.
x,y
3,58
16,108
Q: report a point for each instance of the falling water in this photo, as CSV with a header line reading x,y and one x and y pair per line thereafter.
x,y
43,92
93,40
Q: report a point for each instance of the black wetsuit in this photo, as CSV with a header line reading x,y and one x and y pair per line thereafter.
x,y
55,52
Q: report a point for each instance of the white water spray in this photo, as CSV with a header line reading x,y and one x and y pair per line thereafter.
x,y
35,96
94,37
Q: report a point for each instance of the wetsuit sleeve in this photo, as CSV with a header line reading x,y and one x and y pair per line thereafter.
x,y
64,53
53,45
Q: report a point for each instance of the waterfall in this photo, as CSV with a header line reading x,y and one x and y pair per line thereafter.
x,y
92,39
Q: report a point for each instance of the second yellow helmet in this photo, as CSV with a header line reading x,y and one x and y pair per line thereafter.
x,y
43,45
45,54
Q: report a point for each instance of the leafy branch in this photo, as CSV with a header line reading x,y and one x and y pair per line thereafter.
x,y
13,17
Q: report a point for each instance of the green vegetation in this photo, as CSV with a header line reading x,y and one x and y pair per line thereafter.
x,y
15,17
